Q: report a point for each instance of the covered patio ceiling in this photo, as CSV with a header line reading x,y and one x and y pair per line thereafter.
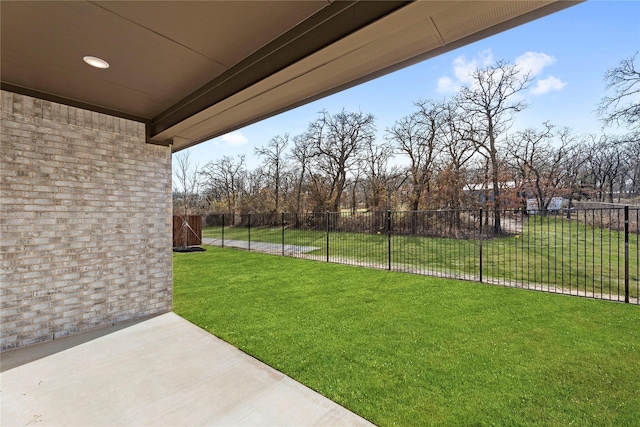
x,y
194,70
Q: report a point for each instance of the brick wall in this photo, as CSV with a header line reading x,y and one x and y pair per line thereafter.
x,y
85,218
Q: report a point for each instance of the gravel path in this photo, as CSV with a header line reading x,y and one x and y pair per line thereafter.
x,y
271,248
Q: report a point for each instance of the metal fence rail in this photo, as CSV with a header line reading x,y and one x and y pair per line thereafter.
x,y
588,252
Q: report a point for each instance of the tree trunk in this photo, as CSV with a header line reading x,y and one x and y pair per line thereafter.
x,y
497,224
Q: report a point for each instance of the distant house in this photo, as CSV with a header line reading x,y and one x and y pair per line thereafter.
x,y
555,204
484,193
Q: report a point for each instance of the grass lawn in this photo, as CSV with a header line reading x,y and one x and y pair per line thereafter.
x,y
411,350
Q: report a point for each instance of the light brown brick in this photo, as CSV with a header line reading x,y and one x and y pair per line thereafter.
x,y
86,221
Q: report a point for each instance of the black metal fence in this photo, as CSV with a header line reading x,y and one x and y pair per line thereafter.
x,y
588,252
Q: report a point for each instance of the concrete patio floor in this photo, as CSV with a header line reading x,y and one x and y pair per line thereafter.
x,y
160,371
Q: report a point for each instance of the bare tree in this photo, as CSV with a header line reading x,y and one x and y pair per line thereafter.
x,y
575,178
253,186
457,151
632,153
623,106
186,182
223,179
186,190
301,154
378,173
353,185
540,156
416,137
337,140
606,165
488,105
274,162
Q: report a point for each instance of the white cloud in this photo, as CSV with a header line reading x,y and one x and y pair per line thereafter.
x,y
550,84
529,62
462,71
534,62
234,139
446,85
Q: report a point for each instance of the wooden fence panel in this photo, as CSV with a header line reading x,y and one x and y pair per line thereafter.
x,y
189,235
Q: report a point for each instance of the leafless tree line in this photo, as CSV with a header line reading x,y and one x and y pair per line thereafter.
x,y
448,154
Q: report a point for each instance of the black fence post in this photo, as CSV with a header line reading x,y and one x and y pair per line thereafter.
x,y
480,245
282,233
389,238
223,230
249,231
327,233
626,254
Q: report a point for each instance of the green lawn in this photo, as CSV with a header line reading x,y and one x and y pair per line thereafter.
x,y
554,252
413,350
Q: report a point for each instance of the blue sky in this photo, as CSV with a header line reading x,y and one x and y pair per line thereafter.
x,y
568,52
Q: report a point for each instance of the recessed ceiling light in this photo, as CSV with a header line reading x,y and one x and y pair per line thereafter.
x,y
96,62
